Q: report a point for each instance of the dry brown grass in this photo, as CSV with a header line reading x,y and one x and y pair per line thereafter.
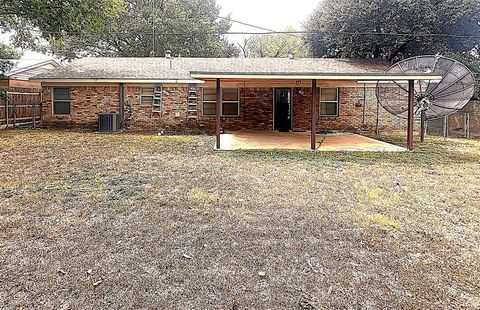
x,y
168,222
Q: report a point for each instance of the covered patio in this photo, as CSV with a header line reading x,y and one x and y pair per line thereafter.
x,y
301,141
273,140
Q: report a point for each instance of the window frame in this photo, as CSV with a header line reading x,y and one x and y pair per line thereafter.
x,y
221,106
337,102
142,96
62,100
230,101
207,101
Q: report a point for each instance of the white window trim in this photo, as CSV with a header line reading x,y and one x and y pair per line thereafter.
x,y
206,101
320,101
69,102
221,105
229,101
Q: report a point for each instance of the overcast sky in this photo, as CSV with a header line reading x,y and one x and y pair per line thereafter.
x,y
272,14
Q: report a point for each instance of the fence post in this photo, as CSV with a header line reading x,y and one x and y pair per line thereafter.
x,y
14,114
6,110
33,115
445,126
41,107
467,125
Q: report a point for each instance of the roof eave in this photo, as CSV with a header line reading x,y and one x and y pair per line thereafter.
x,y
131,81
315,76
23,69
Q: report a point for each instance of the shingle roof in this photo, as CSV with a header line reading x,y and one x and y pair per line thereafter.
x,y
26,72
180,68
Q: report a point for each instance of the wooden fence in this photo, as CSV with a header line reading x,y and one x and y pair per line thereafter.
x,y
20,108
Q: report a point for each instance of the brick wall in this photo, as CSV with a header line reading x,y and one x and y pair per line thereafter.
x,y
142,117
301,114
359,114
355,113
256,110
85,104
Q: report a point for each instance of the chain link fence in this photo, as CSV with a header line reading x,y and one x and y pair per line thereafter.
x,y
463,124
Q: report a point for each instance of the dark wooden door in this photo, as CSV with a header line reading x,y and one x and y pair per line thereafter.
x,y
283,108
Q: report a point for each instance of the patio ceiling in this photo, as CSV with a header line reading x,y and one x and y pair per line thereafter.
x,y
315,76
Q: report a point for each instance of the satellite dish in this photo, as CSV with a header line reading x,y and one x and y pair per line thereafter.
x,y
433,99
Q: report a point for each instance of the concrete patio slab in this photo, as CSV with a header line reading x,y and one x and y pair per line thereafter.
x,y
274,140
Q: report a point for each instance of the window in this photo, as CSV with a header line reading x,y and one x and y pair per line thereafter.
x,y
230,101
209,101
61,101
146,96
328,101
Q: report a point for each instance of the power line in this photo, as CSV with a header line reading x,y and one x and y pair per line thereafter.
x,y
245,24
251,25
192,33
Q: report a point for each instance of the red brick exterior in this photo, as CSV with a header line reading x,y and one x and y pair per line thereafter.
x,y
85,104
142,117
256,110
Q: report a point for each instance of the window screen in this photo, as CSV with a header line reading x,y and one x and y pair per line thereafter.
x,y
209,101
61,101
230,101
328,102
147,96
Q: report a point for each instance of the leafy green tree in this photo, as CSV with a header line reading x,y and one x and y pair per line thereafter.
x,y
75,28
278,45
6,54
150,27
38,22
338,24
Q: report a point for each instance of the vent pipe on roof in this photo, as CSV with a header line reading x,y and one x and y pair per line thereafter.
x,y
290,55
168,55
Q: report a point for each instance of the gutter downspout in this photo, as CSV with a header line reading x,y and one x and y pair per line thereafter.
x,y
121,97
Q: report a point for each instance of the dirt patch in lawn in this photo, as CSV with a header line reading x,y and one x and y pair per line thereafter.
x,y
133,221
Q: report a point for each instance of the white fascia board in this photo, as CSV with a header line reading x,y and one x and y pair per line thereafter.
x,y
193,81
392,82
317,77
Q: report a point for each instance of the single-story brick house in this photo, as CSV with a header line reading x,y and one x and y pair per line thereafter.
x,y
180,94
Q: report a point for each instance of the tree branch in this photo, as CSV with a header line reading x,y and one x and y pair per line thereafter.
x,y
400,48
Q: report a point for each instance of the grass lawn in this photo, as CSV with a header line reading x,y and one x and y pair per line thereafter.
x,y
132,221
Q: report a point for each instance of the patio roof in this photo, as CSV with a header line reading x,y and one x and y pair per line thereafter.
x,y
316,76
